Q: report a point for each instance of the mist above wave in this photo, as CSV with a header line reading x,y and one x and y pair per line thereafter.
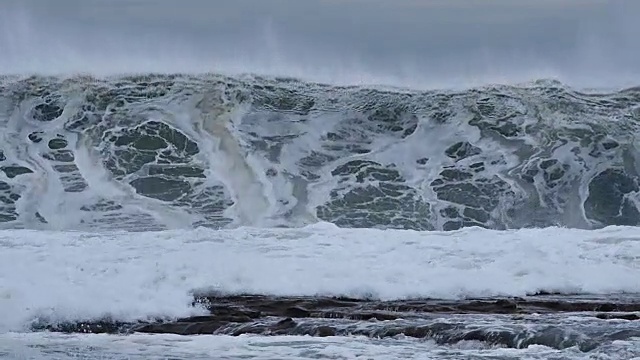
x,y
587,44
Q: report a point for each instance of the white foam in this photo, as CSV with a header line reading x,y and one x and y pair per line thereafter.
x,y
143,346
269,191
77,275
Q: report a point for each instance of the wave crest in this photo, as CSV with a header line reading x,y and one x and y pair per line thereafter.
x,y
156,151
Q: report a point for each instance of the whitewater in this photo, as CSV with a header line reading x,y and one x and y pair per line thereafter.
x,y
153,152
241,180
53,276
124,198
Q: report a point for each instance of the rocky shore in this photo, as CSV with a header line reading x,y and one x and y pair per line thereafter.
x,y
510,322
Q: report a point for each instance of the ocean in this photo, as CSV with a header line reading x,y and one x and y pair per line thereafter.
x,y
319,179
168,216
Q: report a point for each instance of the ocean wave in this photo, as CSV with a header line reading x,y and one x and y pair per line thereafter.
x,y
162,151
54,277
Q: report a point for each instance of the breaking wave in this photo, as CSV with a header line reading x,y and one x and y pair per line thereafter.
x,y
153,151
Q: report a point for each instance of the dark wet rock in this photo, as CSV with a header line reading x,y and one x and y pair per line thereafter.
x,y
462,150
422,161
419,318
106,326
47,112
297,312
287,323
16,170
419,332
553,337
324,331
235,326
492,337
623,335
624,316
57,143
607,203
183,328
263,305
2,156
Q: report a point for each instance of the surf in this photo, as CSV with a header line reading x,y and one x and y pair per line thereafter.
x,y
164,151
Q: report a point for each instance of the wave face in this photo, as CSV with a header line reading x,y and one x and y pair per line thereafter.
x,y
151,152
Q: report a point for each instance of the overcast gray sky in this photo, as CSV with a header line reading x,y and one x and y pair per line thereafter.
x,y
399,42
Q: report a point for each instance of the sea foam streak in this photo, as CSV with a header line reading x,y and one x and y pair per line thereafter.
x,y
155,347
83,158
58,276
154,152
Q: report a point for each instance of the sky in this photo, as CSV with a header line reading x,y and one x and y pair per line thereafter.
x,y
415,43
